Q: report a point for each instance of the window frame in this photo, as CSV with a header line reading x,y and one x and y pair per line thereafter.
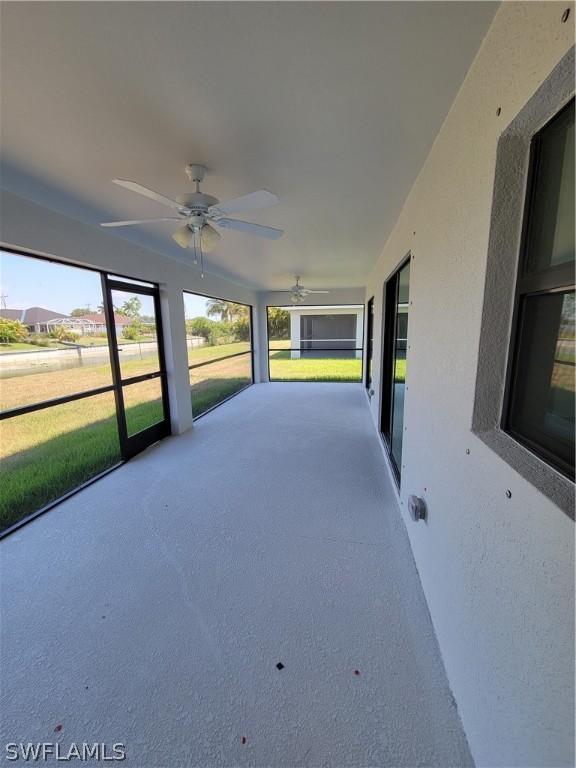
x,y
224,357
369,344
141,440
360,380
503,273
544,282
388,367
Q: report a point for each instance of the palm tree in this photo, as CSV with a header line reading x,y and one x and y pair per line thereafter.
x,y
227,311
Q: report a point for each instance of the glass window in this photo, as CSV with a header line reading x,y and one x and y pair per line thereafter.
x,y
551,222
397,304
541,395
369,342
219,341
315,343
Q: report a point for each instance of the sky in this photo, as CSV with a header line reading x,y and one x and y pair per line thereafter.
x,y
28,282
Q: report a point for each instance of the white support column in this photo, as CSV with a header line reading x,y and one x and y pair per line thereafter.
x,y
173,324
359,331
260,333
295,340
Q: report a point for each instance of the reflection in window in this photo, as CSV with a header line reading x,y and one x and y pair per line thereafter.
x,y
541,397
543,407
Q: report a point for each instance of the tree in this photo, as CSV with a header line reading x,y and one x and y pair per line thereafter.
x,y
12,331
132,331
63,334
278,323
241,329
80,312
131,307
227,311
200,326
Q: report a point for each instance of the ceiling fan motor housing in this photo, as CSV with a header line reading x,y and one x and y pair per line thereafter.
x,y
196,172
195,206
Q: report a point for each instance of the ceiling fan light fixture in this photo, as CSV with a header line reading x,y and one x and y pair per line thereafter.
x,y
184,237
196,209
209,238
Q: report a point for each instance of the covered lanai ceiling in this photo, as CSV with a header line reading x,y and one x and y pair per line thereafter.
x,y
332,106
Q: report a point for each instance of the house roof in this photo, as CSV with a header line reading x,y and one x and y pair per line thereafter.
x,y
11,314
100,318
40,315
32,315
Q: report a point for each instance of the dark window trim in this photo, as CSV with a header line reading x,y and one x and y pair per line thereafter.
x,y
217,405
33,515
502,272
226,357
218,359
389,315
140,440
65,262
316,349
297,349
369,310
22,410
546,281
132,444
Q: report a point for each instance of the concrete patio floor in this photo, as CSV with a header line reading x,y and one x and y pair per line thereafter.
x,y
152,608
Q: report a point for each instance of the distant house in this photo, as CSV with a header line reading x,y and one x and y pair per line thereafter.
x,y
40,320
95,322
36,319
315,331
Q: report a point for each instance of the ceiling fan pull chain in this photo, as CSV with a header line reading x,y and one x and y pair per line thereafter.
x,y
194,242
201,259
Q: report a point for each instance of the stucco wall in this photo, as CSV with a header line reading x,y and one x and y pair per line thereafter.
x,y
497,572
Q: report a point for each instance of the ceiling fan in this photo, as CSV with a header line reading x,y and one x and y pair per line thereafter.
x,y
198,211
298,293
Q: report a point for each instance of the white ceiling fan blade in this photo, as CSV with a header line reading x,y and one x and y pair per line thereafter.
x,y
309,290
271,233
209,238
137,221
259,199
134,187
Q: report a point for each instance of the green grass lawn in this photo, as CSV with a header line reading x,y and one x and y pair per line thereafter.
x,y
49,452
339,369
200,354
42,473
204,398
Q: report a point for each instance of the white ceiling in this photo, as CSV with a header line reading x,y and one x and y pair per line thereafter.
x,y
332,106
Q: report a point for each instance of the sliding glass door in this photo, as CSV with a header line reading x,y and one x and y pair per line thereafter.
x,y
396,308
